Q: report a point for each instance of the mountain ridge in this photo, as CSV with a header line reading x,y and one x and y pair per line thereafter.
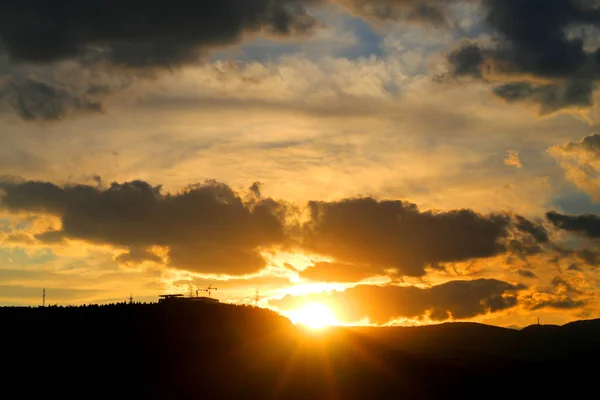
x,y
161,351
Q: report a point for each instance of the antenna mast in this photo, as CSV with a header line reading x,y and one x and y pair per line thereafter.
x,y
130,298
256,298
44,297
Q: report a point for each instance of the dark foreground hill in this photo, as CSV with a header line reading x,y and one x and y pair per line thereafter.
x,y
197,351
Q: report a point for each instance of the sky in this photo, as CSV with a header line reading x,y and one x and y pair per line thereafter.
x,y
399,162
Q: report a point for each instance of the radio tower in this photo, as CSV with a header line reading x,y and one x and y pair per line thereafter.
x,y
130,298
44,297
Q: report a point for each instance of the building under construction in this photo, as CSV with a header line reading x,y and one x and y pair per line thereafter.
x,y
172,298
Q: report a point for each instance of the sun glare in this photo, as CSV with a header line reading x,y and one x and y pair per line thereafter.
x,y
314,316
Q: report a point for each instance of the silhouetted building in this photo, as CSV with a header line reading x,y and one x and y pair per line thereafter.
x,y
169,297
163,298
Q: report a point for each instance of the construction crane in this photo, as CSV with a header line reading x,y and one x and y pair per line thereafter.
x,y
209,289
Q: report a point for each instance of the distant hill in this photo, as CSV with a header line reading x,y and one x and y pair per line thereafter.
x,y
541,328
220,351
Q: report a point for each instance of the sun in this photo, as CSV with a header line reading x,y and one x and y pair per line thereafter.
x,y
314,316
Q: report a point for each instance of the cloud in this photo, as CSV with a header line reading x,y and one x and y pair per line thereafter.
x,y
17,238
50,92
436,13
467,60
527,274
512,159
51,237
336,272
536,230
550,97
576,253
138,255
451,300
585,224
105,47
207,227
153,33
562,285
534,55
564,293
590,257
541,64
390,234
565,303
41,100
211,228
171,34
581,162
132,42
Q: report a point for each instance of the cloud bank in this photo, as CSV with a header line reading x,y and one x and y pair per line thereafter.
x,y
452,300
537,57
210,227
206,227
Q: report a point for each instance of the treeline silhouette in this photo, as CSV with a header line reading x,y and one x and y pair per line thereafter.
x,y
196,350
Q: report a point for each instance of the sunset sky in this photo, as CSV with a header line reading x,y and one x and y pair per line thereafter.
x,y
394,161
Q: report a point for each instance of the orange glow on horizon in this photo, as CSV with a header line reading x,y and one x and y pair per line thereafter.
x,y
314,316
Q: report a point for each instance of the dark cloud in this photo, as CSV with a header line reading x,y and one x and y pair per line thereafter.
x,y
523,249
589,143
585,224
433,12
396,234
467,60
105,46
551,97
562,285
452,300
151,33
564,292
336,272
528,239
527,274
51,237
574,267
56,91
577,258
211,228
565,303
138,255
589,256
207,227
533,42
536,230
535,39
37,100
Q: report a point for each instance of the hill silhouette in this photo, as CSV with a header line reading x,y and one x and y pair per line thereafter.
x,y
196,351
